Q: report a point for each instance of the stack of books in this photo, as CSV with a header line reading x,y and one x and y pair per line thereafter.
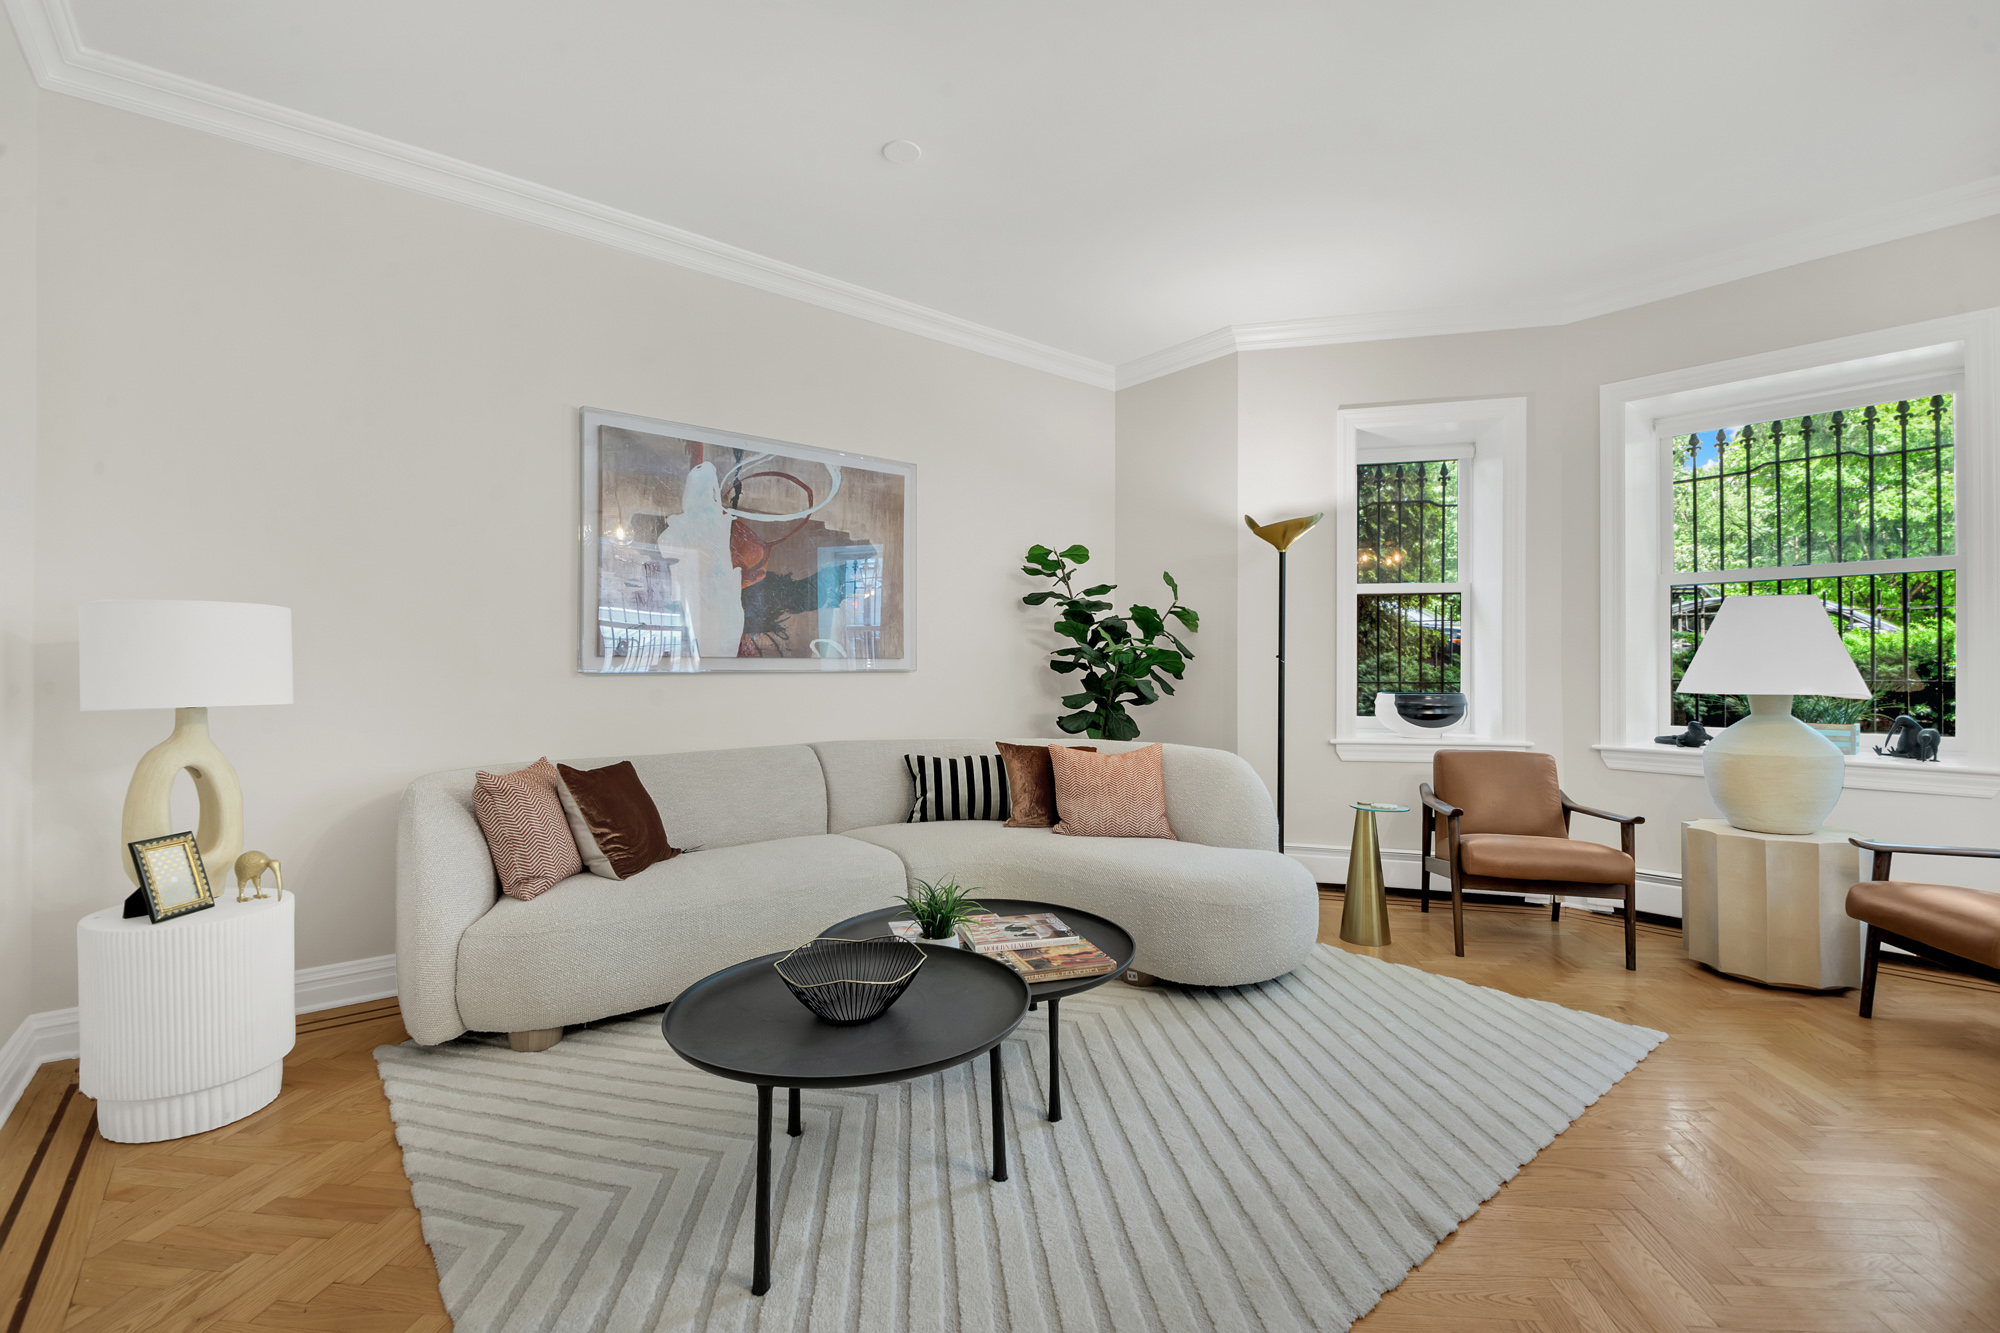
x,y
1038,945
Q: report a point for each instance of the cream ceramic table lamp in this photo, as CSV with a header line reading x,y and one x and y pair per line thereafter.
x,y
190,657
1770,772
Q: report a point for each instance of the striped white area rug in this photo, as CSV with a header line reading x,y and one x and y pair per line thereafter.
x,y
1270,1157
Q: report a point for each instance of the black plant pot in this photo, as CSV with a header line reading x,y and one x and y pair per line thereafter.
x,y
1431,711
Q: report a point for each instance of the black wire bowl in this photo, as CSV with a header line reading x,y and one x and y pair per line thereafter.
x,y
850,981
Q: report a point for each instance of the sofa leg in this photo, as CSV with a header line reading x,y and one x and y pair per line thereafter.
x,y
1871,959
1134,977
1555,909
537,1039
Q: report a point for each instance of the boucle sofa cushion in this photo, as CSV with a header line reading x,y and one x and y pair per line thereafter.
x,y
1205,916
721,798
525,830
591,947
1110,795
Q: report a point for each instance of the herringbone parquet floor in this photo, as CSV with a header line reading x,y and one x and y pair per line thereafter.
x,y
1778,1165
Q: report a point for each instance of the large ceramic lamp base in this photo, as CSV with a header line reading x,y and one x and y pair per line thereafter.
x,y
1770,772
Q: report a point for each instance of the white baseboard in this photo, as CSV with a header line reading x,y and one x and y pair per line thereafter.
x,y
53,1035
336,984
40,1039
1659,890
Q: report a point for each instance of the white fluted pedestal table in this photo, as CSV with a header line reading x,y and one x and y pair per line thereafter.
x,y
184,1026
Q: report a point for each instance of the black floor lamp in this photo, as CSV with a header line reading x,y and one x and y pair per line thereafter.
x,y
1281,535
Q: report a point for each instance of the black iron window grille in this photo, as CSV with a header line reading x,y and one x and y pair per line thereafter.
x,y
1854,507
1410,601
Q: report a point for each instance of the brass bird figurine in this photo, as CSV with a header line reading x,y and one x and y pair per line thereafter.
x,y
1284,532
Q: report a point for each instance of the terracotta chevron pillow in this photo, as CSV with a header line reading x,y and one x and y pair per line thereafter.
x,y
1110,795
525,829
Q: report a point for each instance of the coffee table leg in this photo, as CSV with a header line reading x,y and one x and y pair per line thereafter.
x,y
760,1275
999,1119
792,1123
1055,1061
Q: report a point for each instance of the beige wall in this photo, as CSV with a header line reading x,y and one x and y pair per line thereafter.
x,y
17,524
1178,513
263,380
267,381
1287,400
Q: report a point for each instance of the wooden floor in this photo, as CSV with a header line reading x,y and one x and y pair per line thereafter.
x,y
298,1217
1779,1164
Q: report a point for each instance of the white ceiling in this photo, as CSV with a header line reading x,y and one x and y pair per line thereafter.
x,y
1110,178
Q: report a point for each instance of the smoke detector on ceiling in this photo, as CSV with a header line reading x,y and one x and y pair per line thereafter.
x,y
901,151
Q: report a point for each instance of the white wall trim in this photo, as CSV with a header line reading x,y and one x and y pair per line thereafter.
x,y
1635,552
53,1035
63,64
1890,222
40,1039
1864,772
335,984
1390,748
1659,890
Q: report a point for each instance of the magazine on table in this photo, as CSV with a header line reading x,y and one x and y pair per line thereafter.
x,y
995,934
1058,962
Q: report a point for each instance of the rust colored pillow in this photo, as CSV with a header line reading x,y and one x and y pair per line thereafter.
x,y
1111,795
525,830
1031,786
613,819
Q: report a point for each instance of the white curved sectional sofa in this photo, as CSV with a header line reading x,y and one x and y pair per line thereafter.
x,y
790,839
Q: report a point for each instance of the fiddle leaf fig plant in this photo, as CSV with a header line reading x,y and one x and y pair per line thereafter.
x,y
1120,661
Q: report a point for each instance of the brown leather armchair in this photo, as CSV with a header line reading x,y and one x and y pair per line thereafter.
x,y
1501,824
1950,925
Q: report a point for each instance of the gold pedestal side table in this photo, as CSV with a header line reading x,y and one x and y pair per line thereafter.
x,y
1364,916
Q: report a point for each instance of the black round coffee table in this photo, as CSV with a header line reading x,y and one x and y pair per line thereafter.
x,y
1109,936
742,1023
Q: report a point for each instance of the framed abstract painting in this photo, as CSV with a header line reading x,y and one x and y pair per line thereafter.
x,y
705,550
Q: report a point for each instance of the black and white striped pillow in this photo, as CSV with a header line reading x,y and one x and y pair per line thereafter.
x,y
972,786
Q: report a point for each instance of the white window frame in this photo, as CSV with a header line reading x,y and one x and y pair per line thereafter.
x,y
1637,421
1490,438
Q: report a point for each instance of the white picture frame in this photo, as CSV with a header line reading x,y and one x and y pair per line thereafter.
x,y
688,535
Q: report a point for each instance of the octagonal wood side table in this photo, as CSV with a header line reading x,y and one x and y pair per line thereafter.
x,y
1771,907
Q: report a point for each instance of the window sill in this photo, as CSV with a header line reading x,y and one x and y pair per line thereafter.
x,y
1864,772
1387,748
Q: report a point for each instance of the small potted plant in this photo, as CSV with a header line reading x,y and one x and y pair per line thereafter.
x,y
1839,720
938,908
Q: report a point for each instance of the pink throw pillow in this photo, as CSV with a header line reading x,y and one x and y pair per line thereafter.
x,y
526,829
1110,795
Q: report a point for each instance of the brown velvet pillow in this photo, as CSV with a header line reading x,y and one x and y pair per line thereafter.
x,y
612,816
1031,783
1112,795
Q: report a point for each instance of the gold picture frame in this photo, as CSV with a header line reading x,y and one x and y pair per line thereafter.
x,y
172,881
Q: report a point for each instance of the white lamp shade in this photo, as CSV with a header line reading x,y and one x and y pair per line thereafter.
x,y
1773,645
148,654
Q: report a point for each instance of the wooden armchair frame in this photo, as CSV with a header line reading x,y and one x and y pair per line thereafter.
x,y
1451,867
1874,937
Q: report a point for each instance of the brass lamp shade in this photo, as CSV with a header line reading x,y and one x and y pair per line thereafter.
x,y
1285,531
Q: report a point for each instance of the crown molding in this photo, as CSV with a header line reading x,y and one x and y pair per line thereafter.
x,y
1193,352
1892,222
62,63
